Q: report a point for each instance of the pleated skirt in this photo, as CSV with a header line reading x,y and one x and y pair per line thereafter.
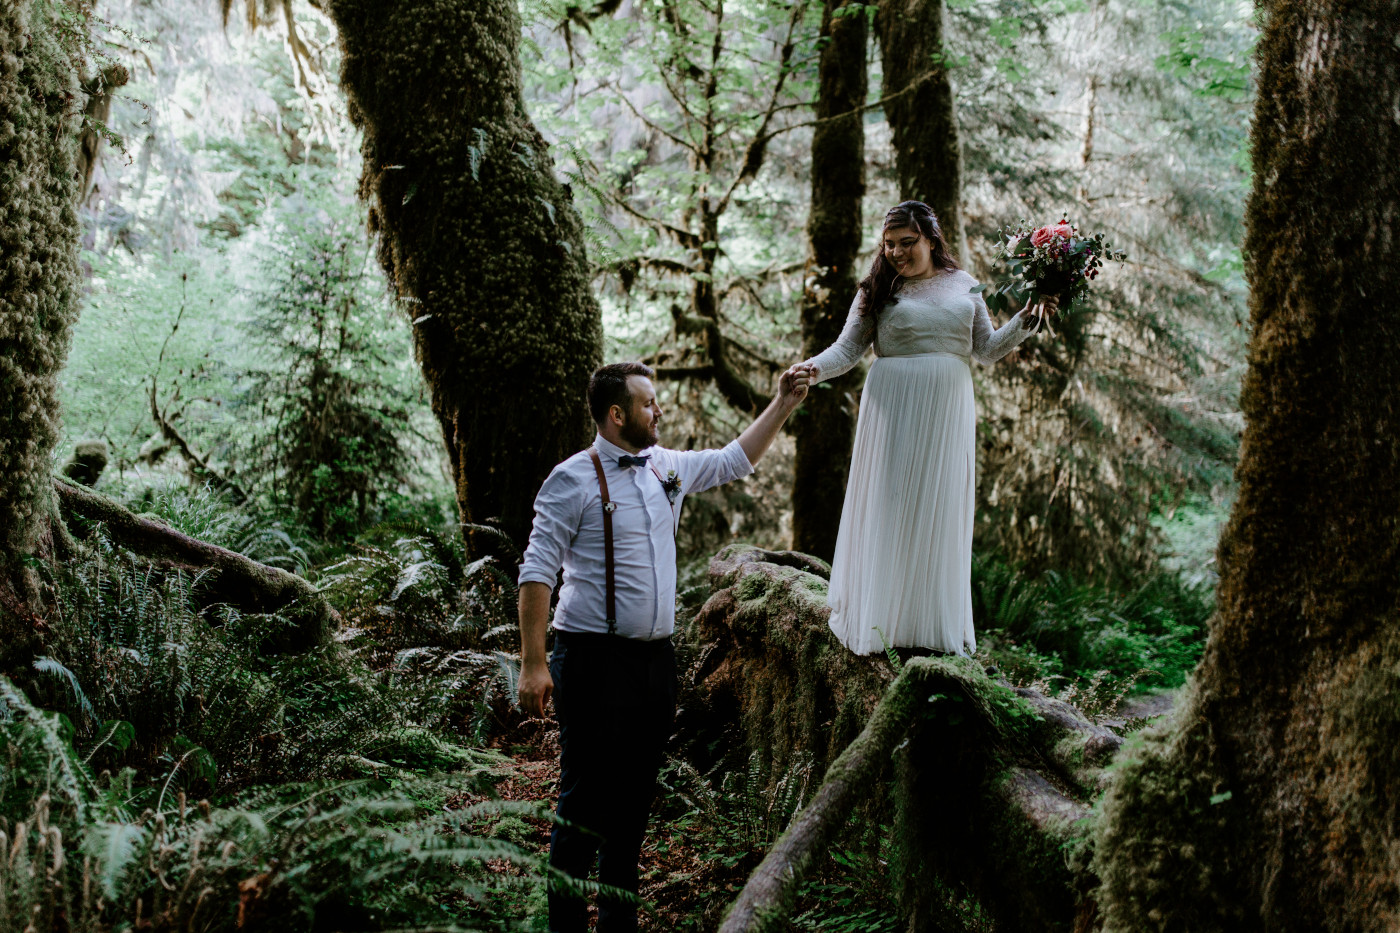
x,y
902,573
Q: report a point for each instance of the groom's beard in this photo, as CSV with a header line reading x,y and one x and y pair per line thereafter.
x,y
638,433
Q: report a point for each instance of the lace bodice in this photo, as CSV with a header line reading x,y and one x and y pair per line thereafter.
x,y
934,315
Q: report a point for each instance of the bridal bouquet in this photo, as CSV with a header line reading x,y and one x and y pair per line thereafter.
x,y
1053,260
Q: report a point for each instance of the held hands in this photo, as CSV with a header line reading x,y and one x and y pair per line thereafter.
x,y
792,387
535,687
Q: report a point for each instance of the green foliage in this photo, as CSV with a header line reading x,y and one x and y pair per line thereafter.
x,y
444,626
38,277
328,413
202,513
206,710
1053,627
1214,72
1134,405
324,778
79,856
740,812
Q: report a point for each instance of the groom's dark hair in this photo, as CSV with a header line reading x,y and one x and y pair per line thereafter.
x,y
608,387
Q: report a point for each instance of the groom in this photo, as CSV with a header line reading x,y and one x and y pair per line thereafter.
x,y
608,516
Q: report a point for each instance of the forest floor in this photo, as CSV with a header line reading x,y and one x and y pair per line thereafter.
x,y
1148,705
688,877
693,865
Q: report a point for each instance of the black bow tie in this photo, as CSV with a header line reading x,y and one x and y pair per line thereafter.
x,y
626,461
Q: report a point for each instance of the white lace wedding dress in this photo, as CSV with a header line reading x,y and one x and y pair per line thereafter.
x,y
903,561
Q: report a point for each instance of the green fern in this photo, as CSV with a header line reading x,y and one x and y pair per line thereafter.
x,y
73,854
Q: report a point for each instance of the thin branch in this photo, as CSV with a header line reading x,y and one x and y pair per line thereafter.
x,y
648,122
171,434
677,373
683,237
681,100
873,105
753,158
669,265
751,354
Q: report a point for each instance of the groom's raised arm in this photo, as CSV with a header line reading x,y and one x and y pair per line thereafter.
x,y
705,469
758,437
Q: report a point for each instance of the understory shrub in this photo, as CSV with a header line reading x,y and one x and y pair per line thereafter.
x,y
1053,627
128,643
90,853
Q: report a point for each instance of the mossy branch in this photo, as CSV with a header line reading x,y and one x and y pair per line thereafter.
x,y
235,580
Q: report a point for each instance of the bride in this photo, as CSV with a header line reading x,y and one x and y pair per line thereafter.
x,y
902,570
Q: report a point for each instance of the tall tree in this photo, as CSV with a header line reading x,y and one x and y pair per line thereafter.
x,y
38,271
1272,805
923,120
825,426
699,97
478,237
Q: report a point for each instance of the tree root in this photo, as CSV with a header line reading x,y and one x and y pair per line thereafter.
x,y
232,578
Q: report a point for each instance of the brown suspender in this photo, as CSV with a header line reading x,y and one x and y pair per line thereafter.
x,y
608,508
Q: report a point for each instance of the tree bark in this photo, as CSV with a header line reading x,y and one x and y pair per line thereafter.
x,y
1274,805
825,425
38,284
479,239
923,122
764,902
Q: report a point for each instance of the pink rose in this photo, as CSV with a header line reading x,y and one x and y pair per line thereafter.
x,y
1042,236
1062,229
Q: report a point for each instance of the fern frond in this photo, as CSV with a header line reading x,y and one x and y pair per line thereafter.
x,y
47,665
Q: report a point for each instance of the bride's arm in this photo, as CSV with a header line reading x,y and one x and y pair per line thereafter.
x,y
991,344
849,347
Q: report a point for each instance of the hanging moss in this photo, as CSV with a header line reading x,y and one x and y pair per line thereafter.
x,y
38,261
479,239
1272,806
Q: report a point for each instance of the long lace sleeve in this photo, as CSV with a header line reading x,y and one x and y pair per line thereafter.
x,y
856,337
990,345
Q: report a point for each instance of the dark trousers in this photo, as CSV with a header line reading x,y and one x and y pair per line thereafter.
x,y
615,699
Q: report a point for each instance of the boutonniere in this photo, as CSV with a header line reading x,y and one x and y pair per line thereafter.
x,y
672,486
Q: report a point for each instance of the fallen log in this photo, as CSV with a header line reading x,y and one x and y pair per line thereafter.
x,y
230,578
994,785
763,904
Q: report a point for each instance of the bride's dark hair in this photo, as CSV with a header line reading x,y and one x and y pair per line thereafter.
x,y
882,284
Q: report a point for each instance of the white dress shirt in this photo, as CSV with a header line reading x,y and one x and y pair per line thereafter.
x,y
568,532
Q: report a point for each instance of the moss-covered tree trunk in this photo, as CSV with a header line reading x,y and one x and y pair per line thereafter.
x,y
478,237
38,282
923,119
825,426
1275,805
